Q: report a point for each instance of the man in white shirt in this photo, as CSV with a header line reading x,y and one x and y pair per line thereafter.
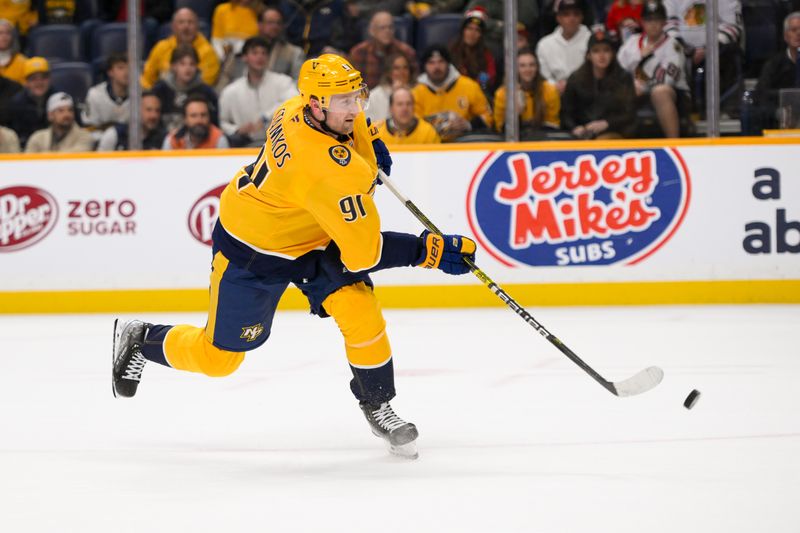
x,y
657,63
246,105
107,102
563,51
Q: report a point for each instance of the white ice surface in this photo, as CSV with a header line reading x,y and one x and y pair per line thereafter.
x,y
514,437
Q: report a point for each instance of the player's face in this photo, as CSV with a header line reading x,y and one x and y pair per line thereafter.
x,y
471,34
436,68
653,27
344,109
185,70
402,109
151,112
601,56
792,33
528,67
118,73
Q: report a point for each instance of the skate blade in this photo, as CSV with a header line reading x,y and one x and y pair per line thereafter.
x,y
406,451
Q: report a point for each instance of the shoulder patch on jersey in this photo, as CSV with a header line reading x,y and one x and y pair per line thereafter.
x,y
340,154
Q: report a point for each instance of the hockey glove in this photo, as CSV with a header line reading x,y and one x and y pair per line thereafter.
x,y
447,252
381,152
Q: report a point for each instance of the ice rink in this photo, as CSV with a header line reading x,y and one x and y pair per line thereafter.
x,y
514,436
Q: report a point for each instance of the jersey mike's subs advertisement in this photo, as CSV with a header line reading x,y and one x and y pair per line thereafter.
x,y
692,215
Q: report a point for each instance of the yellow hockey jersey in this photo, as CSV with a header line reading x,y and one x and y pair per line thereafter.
x,y
305,189
421,133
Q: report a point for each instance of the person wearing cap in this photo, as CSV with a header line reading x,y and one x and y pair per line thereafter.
x,y
470,55
368,56
452,102
12,62
64,134
527,17
403,126
182,80
184,32
657,63
107,102
597,100
246,105
28,108
563,51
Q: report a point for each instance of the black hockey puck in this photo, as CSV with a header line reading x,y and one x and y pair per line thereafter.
x,y
691,399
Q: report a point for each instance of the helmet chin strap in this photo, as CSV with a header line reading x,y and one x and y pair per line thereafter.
x,y
341,137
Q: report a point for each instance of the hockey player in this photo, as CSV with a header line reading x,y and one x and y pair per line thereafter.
x,y
302,213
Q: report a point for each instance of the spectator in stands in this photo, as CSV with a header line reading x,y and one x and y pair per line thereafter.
x,y
107,102
19,13
182,80
398,72
538,99
28,108
686,22
232,23
548,20
310,24
453,103
197,130
184,32
153,130
596,103
527,15
56,11
656,62
369,56
8,88
9,142
563,51
782,71
63,134
12,62
246,106
284,57
470,55
420,10
403,126
624,19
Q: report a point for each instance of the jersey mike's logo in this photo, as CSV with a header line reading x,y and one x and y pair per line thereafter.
x,y
577,208
203,215
27,215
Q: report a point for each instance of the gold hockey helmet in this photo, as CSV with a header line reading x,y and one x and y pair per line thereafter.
x,y
329,75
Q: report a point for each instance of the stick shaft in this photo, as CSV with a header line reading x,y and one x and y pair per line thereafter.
x,y
500,293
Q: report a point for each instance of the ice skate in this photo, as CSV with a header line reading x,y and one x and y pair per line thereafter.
x,y
126,358
399,435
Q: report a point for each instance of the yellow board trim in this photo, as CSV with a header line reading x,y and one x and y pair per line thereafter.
x,y
437,296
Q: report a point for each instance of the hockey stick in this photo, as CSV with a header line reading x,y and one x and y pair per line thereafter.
x,y
636,384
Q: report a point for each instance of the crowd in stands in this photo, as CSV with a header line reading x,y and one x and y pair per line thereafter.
x,y
215,71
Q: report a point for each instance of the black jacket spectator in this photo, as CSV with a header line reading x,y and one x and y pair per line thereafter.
x,y
778,73
28,114
610,98
8,88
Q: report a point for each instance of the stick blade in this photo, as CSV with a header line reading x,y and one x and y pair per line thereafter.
x,y
639,383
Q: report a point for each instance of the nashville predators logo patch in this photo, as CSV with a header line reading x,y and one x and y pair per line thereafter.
x,y
340,154
251,333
